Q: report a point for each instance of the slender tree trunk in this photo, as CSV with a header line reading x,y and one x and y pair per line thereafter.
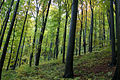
x,y
41,37
22,48
81,27
11,46
57,42
85,30
6,21
8,38
33,44
104,29
21,38
100,29
91,30
58,28
116,10
71,43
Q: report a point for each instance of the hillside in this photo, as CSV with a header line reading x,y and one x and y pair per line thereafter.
x,y
92,66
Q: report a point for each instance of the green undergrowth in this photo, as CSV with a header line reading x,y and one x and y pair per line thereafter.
x,y
86,67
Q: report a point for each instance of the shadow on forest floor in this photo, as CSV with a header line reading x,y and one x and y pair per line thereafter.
x,y
92,66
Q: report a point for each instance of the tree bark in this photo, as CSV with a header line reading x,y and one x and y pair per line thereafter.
x,y
81,27
58,28
91,30
11,46
85,29
71,43
104,29
117,71
22,48
112,34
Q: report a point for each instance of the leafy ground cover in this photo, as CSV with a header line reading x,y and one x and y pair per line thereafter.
x,y
91,66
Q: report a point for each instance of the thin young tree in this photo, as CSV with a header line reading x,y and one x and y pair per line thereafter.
x,y
91,28
33,43
71,43
22,47
84,44
41,36
65,31
58,28
81,29
11,46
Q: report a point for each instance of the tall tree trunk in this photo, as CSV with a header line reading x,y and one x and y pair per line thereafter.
x,y
71,43
116,10
112,34
91,30
81,27
58,28
8,38
11,46
22,48
104,29
6,21
21,37
33,44
100,41
84,44
41,37
117,71
57,42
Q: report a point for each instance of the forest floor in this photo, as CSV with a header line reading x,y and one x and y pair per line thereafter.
x,y
92,66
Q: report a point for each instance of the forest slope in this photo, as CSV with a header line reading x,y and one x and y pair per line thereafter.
x,y
92,66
